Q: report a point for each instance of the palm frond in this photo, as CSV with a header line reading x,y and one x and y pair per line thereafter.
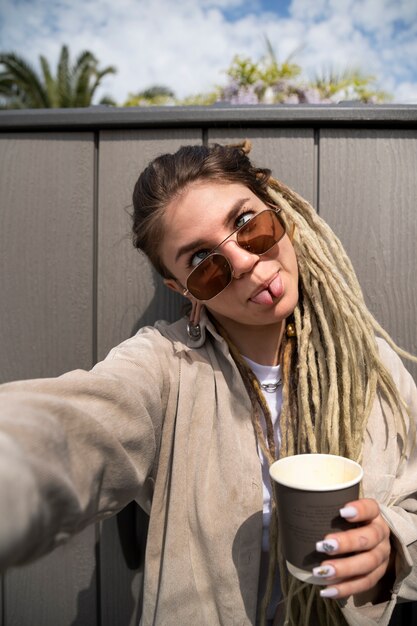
x,y
72,85
26,79
49,82
82,95
63,79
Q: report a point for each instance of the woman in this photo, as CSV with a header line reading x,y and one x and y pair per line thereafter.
x,y
278,356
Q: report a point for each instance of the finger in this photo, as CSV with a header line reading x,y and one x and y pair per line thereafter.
x,y
361,510
357,539
360,564
354,585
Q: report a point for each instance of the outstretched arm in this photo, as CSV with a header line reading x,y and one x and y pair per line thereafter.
x,y
77,448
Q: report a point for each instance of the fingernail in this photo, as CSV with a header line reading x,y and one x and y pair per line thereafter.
x,y
323,571
348,511
328,546
329,592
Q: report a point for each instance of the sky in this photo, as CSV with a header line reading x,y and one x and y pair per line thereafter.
x,y
187,45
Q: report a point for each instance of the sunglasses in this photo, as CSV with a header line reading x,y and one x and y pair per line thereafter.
x,y
214,273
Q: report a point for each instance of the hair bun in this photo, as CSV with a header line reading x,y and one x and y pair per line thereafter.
x,y
245,145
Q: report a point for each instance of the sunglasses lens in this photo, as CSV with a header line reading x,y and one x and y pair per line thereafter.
x,y
210,277
261,233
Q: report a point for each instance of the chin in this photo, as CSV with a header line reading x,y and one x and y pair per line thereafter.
x,y
289,304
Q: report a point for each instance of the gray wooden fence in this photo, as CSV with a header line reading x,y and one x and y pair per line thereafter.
x,y
72,286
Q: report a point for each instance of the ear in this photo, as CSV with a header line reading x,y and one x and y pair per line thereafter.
x,y
171,283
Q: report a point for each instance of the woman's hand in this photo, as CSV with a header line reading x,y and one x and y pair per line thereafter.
x,y
369,548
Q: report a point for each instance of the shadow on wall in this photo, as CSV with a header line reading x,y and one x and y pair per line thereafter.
x,y
165,305
87,598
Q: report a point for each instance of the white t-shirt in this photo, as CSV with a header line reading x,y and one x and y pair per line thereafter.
x,y
268,374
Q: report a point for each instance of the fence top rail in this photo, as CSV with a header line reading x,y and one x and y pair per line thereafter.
x,y
106,117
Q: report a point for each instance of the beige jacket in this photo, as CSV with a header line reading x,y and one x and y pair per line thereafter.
x,y
166,422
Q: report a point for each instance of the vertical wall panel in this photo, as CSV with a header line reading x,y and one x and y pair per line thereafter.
x,y
57,590
130,295
288,152
46,250
129,291
368,190
46,285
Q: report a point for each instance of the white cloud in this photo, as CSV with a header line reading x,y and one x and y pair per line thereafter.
x,y
406,93
377,36
187,44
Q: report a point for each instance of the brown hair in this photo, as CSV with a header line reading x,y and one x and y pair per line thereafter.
x,y
168,175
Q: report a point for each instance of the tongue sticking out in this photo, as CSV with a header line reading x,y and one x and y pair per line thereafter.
x,y
264,297
276,287
274,290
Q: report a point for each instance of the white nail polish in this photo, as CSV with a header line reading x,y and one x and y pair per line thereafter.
x,y
327,545
324,571
348,511
329,592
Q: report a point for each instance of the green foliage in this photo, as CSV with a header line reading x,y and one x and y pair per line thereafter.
x,y
268,70
108,101
21,87
273,71
199,99
270,81
349,84
156,95
157,91
249,81
159,95
244,71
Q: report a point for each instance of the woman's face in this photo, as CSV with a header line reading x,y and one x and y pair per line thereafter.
x,y
264,289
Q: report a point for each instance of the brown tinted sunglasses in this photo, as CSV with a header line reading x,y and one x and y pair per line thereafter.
x,y
214,273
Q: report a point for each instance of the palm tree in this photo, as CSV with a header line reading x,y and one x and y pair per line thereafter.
x,y
21,87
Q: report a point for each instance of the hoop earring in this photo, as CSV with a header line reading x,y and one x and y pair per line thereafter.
x,y
193,326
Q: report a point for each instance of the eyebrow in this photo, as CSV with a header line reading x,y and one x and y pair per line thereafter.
x,y
198,243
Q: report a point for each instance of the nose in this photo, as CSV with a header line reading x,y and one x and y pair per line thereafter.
x,y
240,259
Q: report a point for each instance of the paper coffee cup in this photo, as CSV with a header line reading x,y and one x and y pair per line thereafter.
x,y
310,490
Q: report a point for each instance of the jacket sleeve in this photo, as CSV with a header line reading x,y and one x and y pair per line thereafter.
x,y
78,448
399,509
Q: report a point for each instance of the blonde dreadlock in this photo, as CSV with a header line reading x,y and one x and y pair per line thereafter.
x,y
331,373
338,364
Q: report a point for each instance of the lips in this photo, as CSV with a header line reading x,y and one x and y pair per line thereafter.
x,y
271,290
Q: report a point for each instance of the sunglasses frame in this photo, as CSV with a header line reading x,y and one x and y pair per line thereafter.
x,y
274,210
